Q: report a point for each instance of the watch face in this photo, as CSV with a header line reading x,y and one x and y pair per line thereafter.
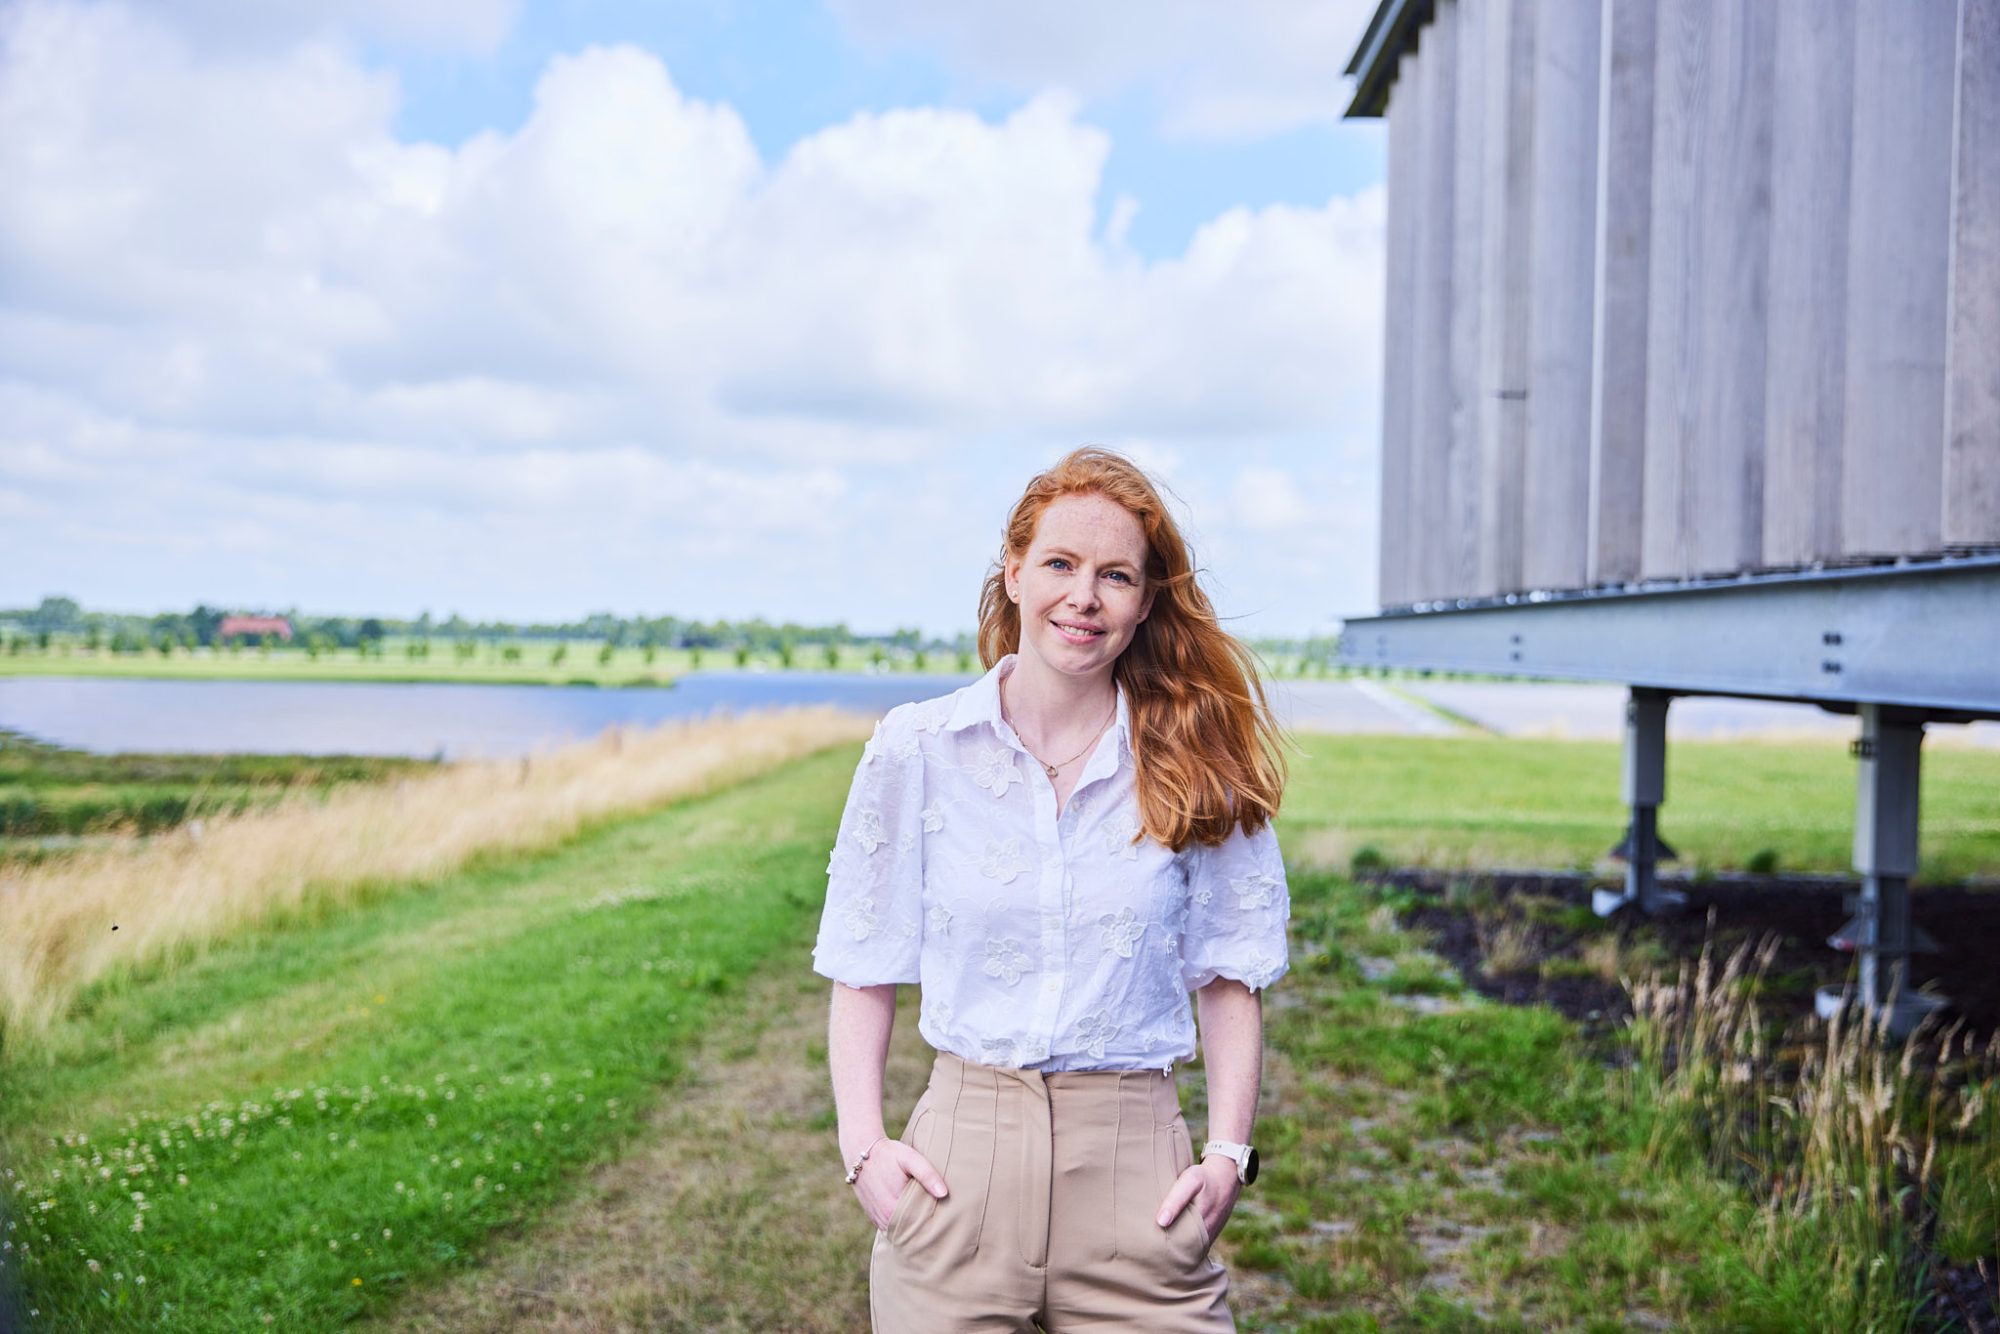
x,y
1250,1169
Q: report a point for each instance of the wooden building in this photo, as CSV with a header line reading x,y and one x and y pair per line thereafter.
x,y
1692,371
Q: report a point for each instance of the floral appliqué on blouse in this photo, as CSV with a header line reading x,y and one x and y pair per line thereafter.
x,y
1120,932
1255,891
995,769
1003,860
1006,960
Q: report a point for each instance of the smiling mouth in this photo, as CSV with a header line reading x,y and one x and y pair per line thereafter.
x,y
1076,636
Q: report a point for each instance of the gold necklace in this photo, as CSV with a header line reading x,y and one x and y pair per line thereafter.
x,y
1050,769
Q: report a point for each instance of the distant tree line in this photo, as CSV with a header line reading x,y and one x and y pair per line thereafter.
x,y
62,619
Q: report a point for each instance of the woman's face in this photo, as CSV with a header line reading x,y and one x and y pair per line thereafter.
x,y
1084,572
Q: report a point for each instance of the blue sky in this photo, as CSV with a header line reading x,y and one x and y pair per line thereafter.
x,y
711,309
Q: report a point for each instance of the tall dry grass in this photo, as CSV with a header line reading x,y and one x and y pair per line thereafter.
x,y
67,925
1837,1132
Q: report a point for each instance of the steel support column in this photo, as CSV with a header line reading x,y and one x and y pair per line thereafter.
x,y
1885,854
1643,787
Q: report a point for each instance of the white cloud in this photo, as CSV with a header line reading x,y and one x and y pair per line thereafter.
x,y
1215,71
237,306
475,25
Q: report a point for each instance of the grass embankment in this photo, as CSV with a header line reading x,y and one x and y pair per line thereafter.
x,y
50,796
303,1120
118,911
1434,1162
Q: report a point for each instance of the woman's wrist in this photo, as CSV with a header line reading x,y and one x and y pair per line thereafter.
x,y
854,1144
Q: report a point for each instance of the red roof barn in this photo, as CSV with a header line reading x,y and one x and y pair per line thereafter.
x,y
255,625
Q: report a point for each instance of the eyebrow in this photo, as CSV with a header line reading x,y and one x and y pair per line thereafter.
x,y
1064,551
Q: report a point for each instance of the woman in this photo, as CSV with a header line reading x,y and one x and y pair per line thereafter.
x,y
1059,854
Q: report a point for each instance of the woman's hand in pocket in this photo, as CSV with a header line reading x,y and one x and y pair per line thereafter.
x,y
889,1166
1213,1188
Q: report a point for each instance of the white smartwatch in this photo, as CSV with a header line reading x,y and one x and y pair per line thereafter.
x,y
1243,1155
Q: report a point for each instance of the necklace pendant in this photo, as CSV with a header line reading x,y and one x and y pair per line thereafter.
x,y
1050,768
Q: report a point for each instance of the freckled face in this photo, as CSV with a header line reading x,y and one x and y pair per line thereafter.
x,y
1082,584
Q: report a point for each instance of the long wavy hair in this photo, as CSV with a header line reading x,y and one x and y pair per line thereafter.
x,y
1208,748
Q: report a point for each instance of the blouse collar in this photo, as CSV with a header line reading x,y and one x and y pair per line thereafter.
x,y
980,703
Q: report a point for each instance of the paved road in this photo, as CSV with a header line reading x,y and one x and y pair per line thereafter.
x,y
1598,711
1564,710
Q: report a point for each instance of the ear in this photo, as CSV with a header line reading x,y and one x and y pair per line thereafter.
x,y
1010,574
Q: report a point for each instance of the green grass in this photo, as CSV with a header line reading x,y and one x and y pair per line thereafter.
x,y
369,1097
349,1097
1476,801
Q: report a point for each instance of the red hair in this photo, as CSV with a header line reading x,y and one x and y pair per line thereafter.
x,y
1207,746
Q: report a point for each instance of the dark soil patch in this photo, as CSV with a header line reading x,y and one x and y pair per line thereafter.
x,y
1801,911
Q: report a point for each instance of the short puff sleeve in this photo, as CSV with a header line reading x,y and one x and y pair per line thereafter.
x,y
1238,905
870,930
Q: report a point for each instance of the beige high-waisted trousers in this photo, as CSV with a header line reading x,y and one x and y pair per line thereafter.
x,y
1054,1183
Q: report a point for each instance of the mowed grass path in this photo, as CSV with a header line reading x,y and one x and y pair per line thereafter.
x,y
304,1124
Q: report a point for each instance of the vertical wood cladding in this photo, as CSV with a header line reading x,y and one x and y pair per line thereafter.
x,y
1560,301
1892,468
1681,288
1624,260
1805,409
1972,347
1506,219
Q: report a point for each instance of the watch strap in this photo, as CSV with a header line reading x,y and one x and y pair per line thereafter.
x,y
1237,1153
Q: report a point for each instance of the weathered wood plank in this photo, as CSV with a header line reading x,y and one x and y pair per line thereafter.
x,y
1463,493
1805,398
1561,271
1393,579
1431,334
1892,468
1506,150
1705,333
1624,232
1972,351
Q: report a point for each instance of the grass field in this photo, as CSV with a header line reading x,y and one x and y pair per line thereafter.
x,y
532,662
385,1106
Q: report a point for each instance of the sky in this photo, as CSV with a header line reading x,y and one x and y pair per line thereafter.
x,y
708,308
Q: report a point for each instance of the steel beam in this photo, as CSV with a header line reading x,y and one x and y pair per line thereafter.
x,y
1920,635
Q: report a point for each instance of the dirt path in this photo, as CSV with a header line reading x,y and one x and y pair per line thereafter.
x,y
728,1213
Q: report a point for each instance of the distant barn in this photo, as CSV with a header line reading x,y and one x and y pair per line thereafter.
x,y
275,626
1692,368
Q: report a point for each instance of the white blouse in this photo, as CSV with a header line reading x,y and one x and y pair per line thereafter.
x,y
1064,943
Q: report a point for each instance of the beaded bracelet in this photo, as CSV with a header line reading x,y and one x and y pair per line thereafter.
x,y
854,1172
